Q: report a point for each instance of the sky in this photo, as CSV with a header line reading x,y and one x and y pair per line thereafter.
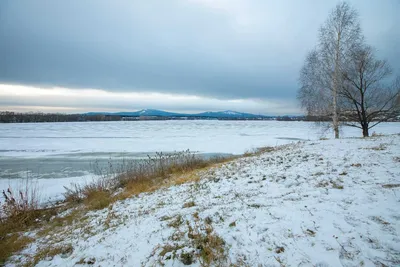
x,y
176,55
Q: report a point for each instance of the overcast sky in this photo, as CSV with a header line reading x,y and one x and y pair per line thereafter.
x,y
176,55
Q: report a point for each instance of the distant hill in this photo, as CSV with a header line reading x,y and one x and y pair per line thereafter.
x,y
148,112
161,113
228,114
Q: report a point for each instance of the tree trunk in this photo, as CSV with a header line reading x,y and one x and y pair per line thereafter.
x,y
365,131
335,116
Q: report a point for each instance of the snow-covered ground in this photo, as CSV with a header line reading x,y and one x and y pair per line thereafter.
x,y
314,203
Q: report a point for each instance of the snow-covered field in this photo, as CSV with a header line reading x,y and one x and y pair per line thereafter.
x,y
314,203
61,153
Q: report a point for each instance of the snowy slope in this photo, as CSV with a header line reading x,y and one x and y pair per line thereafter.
x,y
316,203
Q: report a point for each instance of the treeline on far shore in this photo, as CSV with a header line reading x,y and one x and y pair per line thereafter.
x,y
15,117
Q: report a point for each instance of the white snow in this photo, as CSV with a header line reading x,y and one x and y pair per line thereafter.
x,y
323,202
230,112
44,139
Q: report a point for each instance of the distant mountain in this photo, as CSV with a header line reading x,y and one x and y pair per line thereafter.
x,y
227,114
161,113
148,112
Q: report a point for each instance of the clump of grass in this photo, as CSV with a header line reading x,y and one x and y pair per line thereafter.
x,y
11,243
375,134
176,221
336,184
96,200
259,151
20,201
358,165
189,204
187,258
77,193
19,212
49,252
390,185
378,148
379,220
194,241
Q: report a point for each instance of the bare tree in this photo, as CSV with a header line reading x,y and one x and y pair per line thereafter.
x,y
367,100
321,73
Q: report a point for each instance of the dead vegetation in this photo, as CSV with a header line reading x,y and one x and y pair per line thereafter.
x,y
189,204
49,253
143,176
390,185
379,147
193,241
336,184
19,212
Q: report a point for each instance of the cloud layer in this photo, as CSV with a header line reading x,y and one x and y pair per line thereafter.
x,y
221,49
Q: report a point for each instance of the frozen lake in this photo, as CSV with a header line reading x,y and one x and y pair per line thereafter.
x,y
58,153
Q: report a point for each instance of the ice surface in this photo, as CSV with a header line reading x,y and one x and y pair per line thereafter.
x,y
40,139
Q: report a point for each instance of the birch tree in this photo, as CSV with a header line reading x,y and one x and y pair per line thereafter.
x,y
321,74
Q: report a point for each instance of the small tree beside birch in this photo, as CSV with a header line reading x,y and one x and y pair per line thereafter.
x,y
369,98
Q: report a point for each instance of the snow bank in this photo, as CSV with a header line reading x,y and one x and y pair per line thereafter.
x,y
315,203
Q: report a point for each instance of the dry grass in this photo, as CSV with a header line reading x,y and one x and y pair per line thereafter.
x,y
189,204
136,177
19,201
12,229
390,185
11,243
379,148
96,200
18,213
49,252
259,151
193,241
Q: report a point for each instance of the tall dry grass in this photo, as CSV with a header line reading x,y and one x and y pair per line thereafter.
x,y
135,177
19,211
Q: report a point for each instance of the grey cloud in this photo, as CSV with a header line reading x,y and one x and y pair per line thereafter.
x,y
178,46
87,102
